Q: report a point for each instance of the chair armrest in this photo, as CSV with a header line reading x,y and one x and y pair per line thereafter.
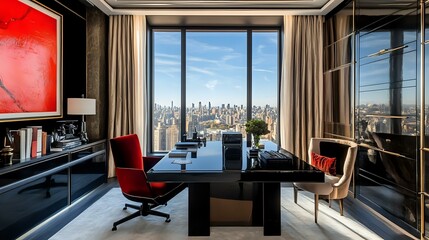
x,y
149,162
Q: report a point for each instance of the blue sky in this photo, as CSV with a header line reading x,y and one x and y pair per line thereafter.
x,y
216,68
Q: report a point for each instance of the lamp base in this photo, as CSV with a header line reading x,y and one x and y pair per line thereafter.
x,y
83,134
84,137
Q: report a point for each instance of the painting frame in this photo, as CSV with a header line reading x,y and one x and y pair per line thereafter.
x,y
49,86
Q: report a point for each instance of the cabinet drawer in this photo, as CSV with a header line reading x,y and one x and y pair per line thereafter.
x,y
24,207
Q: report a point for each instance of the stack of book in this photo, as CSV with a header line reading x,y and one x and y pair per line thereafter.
x,y
29,142
65,144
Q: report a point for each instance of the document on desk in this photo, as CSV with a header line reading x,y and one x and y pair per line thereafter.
x,y
182,161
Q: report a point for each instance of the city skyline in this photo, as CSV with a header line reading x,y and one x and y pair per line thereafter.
x,y
207,121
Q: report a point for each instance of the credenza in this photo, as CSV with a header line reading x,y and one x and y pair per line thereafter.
x,y
32,190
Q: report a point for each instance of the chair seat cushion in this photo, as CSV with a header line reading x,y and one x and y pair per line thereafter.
x,y
159,189
321,188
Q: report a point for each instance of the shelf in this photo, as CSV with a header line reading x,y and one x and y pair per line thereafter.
x,y
338,68
383,151
386,51
386,116
17,165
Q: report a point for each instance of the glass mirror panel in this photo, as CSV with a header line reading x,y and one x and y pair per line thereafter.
x,y
381,45
379,73
338,53
379,14
337,102
338,73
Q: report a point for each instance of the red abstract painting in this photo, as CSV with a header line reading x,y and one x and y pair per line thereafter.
x,y
30,68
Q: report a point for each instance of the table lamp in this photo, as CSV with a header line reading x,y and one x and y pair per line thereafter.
x,y
81,106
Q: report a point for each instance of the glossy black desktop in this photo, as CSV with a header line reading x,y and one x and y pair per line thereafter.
x,y
208,166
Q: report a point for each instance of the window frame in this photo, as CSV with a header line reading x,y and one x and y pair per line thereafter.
x,y
249,69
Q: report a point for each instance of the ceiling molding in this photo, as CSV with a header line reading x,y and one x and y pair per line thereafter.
x,y
110,10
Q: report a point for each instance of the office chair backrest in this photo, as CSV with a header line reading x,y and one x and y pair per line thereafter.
x,y
127,152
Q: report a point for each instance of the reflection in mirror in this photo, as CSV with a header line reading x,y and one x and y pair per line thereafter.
x,y
338,73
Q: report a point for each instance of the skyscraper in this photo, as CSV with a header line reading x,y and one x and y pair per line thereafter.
x,y
172,136
159,135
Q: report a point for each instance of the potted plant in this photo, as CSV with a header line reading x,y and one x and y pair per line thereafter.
x,y
257,127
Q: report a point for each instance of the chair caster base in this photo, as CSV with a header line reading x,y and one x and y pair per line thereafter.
x,y
114,228
168,220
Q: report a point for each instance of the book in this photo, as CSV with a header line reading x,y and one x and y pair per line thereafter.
x,y
67,143
44,142
18,144
28,140
36,141
57,149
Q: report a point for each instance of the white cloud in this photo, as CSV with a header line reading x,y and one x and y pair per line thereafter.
x,y
204,47
163,55
260,49
200,70
211,84
198,59
230,57
262,70
166,62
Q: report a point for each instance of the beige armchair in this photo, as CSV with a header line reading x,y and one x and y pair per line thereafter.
x,y
334,187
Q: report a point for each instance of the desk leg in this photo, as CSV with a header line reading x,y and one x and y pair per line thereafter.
x,y
199,209
272,224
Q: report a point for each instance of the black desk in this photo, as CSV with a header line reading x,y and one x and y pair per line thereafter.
x,y
208,167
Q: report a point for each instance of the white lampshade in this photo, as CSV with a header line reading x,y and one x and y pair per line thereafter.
x,y
80,106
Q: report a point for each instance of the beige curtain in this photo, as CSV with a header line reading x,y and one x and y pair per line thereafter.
x,y
301,87
127,82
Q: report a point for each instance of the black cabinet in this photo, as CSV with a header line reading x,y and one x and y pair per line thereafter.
x,y
387,108
32,191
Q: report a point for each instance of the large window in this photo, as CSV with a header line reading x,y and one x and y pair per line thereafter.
x,y
205,82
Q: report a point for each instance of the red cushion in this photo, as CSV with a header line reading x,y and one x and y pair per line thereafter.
x,y
324,164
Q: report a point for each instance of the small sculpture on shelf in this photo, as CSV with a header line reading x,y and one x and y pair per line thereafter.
x,y
65,136
6,153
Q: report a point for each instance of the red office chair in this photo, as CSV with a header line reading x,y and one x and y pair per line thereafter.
x,y
131,170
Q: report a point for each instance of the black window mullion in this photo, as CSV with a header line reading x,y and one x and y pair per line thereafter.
x,y
183,83
150,88
249,81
